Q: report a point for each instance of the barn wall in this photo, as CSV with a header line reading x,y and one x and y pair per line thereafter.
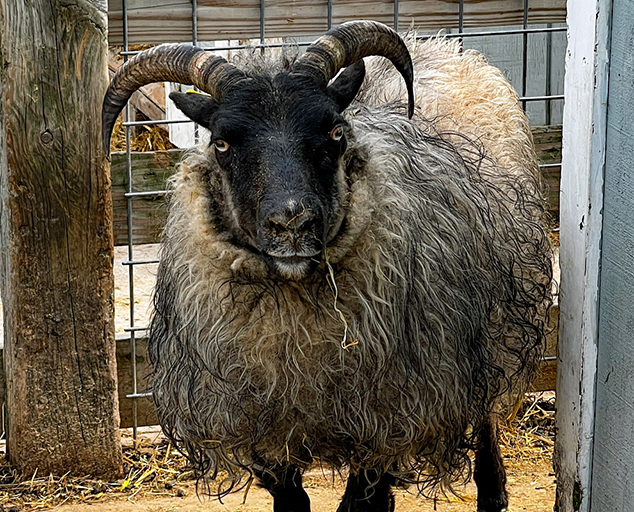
x,y
158,21
613,466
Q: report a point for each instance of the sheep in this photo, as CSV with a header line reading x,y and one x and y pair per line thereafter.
x,y
347,276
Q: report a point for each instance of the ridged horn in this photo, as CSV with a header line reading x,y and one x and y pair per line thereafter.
x,y
181,63
346,44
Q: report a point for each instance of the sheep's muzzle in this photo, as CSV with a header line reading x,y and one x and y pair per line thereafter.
x,y
291,234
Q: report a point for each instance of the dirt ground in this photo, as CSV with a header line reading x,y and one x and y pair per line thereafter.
x,y
531,486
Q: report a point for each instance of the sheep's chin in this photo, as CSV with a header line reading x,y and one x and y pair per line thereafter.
x,y
293,269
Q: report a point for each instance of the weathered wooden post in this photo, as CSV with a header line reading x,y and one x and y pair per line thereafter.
x,y
594,452
56,239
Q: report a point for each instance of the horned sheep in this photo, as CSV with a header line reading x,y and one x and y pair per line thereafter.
x,y
348,276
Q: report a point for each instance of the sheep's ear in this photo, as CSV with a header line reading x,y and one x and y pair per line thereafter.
x,y
347,85
198,107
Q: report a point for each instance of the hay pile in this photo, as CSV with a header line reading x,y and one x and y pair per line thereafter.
x,y
531,435
148,137
151,470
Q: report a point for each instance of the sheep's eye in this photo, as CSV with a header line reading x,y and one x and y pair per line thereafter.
x,y
221,146
336,133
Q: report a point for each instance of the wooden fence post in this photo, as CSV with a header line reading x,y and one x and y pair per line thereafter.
x,y
56,239
613,451
580,256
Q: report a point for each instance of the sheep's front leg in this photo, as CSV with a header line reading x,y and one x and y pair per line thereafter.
x,y
368,491
285,485
489,473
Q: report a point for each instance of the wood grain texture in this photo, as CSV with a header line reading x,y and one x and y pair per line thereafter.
x,y
164,21
547,141
613,452
546,377
57,241
146,415
5,229
581,223
149,172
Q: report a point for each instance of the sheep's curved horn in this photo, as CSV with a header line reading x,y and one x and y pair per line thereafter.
x,y
346,44
181,63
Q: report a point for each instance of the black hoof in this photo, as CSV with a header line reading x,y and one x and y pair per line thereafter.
x,y
368,492
499,504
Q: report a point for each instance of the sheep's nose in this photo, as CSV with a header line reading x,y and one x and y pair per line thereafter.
x,y
291,216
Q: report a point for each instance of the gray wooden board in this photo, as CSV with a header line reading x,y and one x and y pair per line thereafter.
x,y
581,224
150,171
5,259
613,462
145,406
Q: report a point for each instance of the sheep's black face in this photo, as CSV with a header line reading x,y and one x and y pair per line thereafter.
x,y
279,142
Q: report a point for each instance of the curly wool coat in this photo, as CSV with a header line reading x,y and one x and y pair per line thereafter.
x,y
429,304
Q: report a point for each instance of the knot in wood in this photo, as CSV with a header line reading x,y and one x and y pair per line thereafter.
x,y
46,136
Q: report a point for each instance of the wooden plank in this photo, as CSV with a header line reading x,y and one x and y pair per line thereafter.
x,y
505,53
56,235
551,175
613,451
551,333
546,378
167,21
547,141
150,171
145,406
581,221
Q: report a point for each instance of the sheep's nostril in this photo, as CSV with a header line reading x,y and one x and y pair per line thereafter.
x,y
295,219
297,224
304,223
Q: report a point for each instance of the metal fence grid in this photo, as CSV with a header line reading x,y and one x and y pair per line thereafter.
x,y
525,31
